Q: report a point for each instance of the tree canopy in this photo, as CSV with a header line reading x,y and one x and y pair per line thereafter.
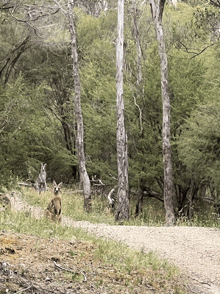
x,y
37,121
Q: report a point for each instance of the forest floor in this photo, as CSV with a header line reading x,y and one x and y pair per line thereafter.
x,y
195,250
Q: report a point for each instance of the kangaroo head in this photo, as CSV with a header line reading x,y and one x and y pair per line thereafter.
x,y
43,167
57,187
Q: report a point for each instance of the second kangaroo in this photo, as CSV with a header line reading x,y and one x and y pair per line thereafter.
x,y
41,184
53,210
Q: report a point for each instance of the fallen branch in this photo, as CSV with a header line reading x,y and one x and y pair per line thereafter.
x,y
110,199
25,184
63,269
34,285
85,279
70,271
201,282
100,183
24,289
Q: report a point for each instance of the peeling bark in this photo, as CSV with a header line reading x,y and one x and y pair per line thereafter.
x,y
84,178
137,41
122,211
157,13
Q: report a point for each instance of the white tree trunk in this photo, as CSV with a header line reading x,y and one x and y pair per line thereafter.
x,y
157,13
137,40
122,211
78,113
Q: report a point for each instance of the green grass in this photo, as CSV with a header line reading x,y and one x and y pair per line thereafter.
x,y
130,267
127,262
153,212
72,206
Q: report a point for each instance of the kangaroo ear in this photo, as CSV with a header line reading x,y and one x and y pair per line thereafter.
x,y
54,183
60,184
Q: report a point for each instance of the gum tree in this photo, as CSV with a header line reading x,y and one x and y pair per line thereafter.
x,y
84,178
157,14
122,211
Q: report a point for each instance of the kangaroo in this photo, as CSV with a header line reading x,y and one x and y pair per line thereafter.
x,y
40,184
53,210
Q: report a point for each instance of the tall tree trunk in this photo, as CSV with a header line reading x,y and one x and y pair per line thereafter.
x,y
122,212
140,200
157,13
79,119
137,41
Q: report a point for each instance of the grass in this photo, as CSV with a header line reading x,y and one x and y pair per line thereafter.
x,y
129,268
204,216
153,212
72,206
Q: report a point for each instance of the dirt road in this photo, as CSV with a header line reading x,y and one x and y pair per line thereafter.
x,y
195,250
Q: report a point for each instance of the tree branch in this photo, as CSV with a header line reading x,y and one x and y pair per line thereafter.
x,y
203,50
196,53
10,61
110,199
140,112
33,14
215,3
26,22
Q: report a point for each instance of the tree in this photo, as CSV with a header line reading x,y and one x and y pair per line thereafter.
x,y
84,178
157,14
198,147
122,195
136,33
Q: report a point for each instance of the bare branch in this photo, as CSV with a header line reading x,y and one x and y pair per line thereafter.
x,y
203,50
70,271
112,177
100,183
110,199
24,289
195,54
9,5
60,7
26,22
140,117
32,13
215,3
18,47
63,269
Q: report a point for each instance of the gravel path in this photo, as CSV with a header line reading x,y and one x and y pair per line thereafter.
x,y
194,250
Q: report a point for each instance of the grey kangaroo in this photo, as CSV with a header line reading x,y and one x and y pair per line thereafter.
x,y
53,210
40,184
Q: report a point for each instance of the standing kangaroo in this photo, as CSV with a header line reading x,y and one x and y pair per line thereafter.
x,y
53,210
40,184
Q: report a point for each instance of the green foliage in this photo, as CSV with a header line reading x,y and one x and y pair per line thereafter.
x,y
198,144
207,18
37,123
28,135
98,96
204,214
186,80
16,116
